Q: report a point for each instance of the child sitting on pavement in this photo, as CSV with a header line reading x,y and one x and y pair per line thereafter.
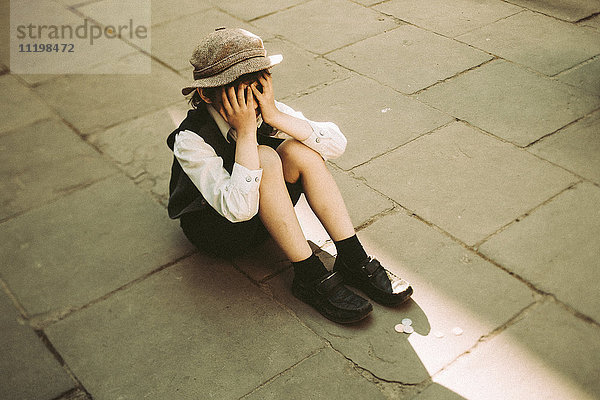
x,y
241,161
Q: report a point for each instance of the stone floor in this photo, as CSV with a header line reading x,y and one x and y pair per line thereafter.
x,y
472,171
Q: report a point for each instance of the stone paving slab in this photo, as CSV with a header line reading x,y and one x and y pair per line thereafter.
x,y
300,69
247,10
75,395
35,79
42,162
262,262
325,375
557,248
94,102
362,202
116,13
397,58
550,354
326,26
29,370
449,18
368,3
190,330
5,32
436,391
453,287
568,10
380,122
169,10
103,49
585,76
510,102
85,245
536,41
576,147
20,106
467,183
173,42
140,149
594,22
126,59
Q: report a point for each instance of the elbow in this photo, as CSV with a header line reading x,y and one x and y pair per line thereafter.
x,y
240,216
338,150
343,144
242,213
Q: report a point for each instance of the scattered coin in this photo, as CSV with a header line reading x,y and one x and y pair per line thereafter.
x,y
399,328
407,322
438,334
457,331
408,329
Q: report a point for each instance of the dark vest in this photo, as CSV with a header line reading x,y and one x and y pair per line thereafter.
x,y
184,197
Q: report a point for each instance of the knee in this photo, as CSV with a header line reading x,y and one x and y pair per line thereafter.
x,y
292,151
269,158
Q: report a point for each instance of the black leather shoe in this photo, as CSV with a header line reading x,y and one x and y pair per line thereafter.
x,y
375,281
330,297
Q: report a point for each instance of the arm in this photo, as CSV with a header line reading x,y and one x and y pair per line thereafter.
x,y
233,196
238,109
323,137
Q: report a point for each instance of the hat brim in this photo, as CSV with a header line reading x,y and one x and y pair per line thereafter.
x,y
234,72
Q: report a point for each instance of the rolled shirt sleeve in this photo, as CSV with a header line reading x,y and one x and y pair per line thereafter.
x,y
235,196
326,137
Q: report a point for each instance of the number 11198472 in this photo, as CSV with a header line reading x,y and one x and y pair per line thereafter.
x,y
46,48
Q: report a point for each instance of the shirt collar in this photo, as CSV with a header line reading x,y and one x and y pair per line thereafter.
x,y
224,127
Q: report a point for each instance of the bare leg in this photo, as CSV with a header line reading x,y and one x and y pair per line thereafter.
x,y
276,209
322,193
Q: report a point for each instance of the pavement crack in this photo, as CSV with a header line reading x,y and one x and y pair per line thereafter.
x,y
489,336
526,214
14,300
271,379
494,58
376,217
42,321
589,17
64,364
60,195
535,142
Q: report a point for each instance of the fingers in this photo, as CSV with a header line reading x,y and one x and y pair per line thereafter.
x,y
241,95
249,98
255,91
225,100
266,77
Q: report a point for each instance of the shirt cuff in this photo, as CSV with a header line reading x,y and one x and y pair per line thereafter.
x,y
317,139
245,179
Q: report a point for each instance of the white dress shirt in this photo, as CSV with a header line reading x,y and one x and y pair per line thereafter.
x,y
236,196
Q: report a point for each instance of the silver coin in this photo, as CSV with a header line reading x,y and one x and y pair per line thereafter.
x,y
457,331
407,322
399,328
408,329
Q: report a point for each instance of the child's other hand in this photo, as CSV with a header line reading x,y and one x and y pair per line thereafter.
x,y
266,98
238,108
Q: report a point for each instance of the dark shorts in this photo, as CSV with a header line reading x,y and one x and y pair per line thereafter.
x,y
211,232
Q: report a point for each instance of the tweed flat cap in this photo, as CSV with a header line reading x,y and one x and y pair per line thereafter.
x,y
225,55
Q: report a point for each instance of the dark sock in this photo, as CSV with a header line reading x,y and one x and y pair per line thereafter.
x,y
310,269
350,251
